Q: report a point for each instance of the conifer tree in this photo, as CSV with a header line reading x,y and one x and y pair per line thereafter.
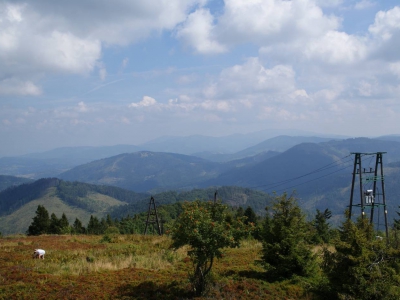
x,y
77,227
321,226
94,226
286,252
54,227
41,222
250,215
361,266
64,224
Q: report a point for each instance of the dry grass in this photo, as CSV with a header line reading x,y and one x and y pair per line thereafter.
x,y
128,267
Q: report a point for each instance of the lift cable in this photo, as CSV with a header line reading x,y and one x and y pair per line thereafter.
x,y
311,179
323,168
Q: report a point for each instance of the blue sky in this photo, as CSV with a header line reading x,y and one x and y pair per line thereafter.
x,y
96,72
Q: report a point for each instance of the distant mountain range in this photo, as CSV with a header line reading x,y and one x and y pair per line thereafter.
x,y
318,169
144,171
320,173
221,149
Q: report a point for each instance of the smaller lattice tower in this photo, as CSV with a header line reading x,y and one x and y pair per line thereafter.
x,y
152,217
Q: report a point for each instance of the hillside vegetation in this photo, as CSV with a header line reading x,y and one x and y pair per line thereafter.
x,y
81,200
18,204
144,171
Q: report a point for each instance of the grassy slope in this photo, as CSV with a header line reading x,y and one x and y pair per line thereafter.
x,y
131,267
19,220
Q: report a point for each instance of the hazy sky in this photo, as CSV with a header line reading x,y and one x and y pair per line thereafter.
x,y
100,72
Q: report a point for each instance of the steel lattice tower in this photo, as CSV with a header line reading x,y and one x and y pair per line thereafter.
x,y
369,199
152,217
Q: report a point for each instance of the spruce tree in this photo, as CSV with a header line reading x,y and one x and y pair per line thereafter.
x,y
41,222
321,226
77,227
54,227
286,252
250,215
64,224
361,266
94,226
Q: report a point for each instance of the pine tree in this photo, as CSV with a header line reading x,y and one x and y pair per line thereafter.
x,y
41,222
286,252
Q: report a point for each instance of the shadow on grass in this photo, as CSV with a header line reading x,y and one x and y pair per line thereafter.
x,y
150,290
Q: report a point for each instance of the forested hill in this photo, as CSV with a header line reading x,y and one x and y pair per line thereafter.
x,y
81,200
144,171
76,194
7,181
230,195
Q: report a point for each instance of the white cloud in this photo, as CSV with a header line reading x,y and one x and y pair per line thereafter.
x,y
252,78
197,31
223,106
386,34
40,37
261,22
364,4
146,102
337,48
82,107
14,86
395,68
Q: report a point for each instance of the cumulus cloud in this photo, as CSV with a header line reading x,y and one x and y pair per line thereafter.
x,y
259,22
386,33
197,31
48,37
337,47
146,102
252,78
